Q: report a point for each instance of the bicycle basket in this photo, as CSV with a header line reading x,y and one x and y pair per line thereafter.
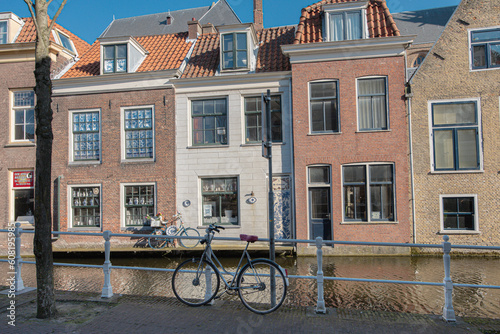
x,y
171,230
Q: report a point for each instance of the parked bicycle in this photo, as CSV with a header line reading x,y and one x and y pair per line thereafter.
x,y
171,229
261,283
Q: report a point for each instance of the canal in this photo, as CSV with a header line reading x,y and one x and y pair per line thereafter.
x,y
473,302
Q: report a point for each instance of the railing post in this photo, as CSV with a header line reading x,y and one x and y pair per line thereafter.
x,y
320,307
208,278
18,260
448,311
107,290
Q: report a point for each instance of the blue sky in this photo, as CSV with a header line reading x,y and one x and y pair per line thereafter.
x,y
89,18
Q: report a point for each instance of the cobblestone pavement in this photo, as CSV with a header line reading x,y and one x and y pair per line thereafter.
x,y
88,313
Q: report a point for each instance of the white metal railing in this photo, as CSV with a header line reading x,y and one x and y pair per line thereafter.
x,y
15,261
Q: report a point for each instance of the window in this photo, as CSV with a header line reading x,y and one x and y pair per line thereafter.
x,y
455,134
418,61
86,136
220,201
346,25
485,47
86,206
139,134
234,51
319,202
368,192
23,189
209,122
139,202
324,107
3,32
253,119
372,104
65,41
115,58
459,212
24,115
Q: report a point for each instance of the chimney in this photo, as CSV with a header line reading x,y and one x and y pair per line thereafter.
x,y
208,29
258,16
194,29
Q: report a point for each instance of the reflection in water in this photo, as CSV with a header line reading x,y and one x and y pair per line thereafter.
x,y
477,302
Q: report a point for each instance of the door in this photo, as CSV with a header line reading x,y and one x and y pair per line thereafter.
x,y
320,213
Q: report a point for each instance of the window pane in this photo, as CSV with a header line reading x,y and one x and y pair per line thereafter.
x,y
467,148
381,173
479,56
121,65
24,202
85,202
479,36
276,127
121,51
355,202
319,175
354,174
197,107
466,204
353,25
109,66
30,132
241,59
450,222
466,222
228,60
454,113
227,44
381,198
253,104
443,149
323,89
209,107
371,86
450,205
139,203
331,122
379,112
320,208
317,116
109,52
3,32
365,116
495,55
336,27
24,99
66,42
241,41
220,201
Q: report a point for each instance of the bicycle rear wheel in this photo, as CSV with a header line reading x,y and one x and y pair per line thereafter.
x,y
195,282
157,243
254,286
189,243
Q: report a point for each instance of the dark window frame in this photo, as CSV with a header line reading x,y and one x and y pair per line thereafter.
x,y
486,45
234,51
324,100
220,134
276,117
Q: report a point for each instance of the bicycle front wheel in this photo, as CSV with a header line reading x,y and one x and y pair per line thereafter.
x,y
157,243
255,286
195,282
189,243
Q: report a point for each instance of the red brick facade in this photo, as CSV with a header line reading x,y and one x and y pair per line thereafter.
x,y
352,146
112,172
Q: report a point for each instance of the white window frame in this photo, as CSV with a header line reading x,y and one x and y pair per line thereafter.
x,y
123,211
70,206
471,59
441,215
6,31
309,185
13,118
124,158
71,156
57,36
238,196
337,8
387,116
368,193
431,136
12,208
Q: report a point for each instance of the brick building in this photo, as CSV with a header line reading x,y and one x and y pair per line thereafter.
x,y
17,102
455,130
349,124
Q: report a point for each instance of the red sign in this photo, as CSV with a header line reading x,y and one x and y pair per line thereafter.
x,y
23,179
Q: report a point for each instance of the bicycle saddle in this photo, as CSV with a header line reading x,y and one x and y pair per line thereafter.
x,y
248,238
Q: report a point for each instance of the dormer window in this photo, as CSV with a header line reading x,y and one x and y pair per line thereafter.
x,y
3,32
115,58
345,21
121,55
65,41
234,51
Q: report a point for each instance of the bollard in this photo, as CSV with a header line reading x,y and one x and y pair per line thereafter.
x,y
18,260
107,290
320,308
448,312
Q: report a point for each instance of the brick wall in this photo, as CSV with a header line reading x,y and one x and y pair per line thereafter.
x,y
351,146
111,172
446,75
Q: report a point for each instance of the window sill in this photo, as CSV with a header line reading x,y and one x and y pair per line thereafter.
x,y
207,146
324,133
458,232
80,229
83,163
373,131
137,161
21,144
369,223
260,144
472,171
484,69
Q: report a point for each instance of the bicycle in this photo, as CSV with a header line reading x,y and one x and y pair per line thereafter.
x,y
172,230
261,283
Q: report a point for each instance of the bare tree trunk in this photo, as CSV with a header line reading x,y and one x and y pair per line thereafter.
x,y
42,245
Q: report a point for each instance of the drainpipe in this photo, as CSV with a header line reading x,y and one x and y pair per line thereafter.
x,y
409,95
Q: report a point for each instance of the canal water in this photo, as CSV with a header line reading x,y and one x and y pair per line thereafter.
x,y
473,302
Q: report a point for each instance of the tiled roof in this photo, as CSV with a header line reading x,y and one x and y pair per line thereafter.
x,y
379,19
165,52
28,34
204,60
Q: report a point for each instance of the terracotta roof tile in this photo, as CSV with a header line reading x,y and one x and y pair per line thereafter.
x,y
379,19
204,60
28,34
165,52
